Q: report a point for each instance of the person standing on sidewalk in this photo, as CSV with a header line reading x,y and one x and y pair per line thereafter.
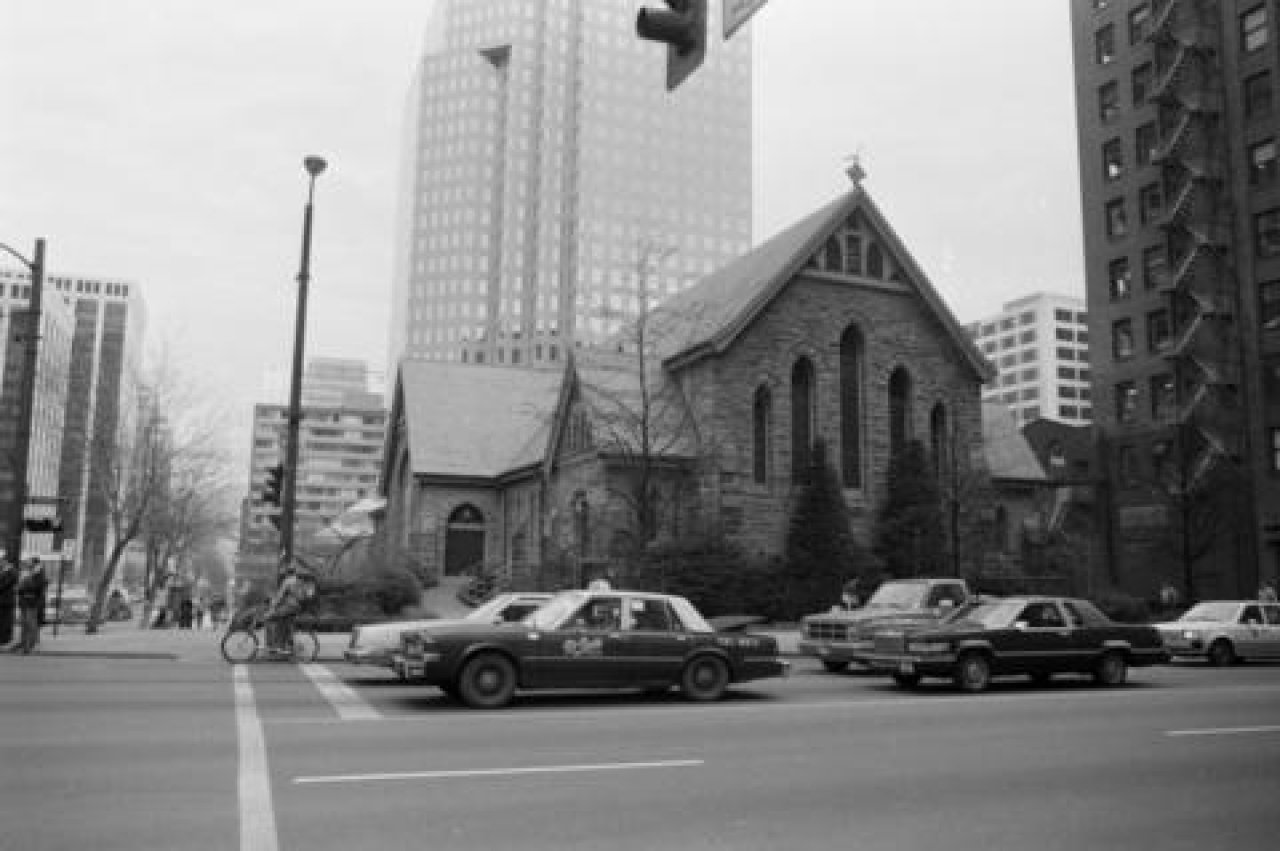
x,y
8,599
31,588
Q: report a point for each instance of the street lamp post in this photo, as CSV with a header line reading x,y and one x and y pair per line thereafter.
x,y
314,166
31,344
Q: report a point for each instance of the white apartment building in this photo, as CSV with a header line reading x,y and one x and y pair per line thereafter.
x,y
1040,348
551,183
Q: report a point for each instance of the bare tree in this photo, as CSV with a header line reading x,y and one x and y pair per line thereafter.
x,y
162,476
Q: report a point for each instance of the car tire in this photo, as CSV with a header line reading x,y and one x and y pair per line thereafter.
x,y
907,681
1221,653
487,681
835,667
1112,669
973,672
705,678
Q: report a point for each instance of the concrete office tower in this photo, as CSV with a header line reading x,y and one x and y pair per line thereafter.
x,y
340,454
1040,347
106,347
551,183
1178,119
49,403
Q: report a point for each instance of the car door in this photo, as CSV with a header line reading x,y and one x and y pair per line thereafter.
x,y
1251,638
1044,640
1271,629
585,651
655,642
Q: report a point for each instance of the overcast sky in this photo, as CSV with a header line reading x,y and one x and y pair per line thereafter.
x,y
161,141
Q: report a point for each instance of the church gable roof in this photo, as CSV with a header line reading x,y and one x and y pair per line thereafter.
x,y
1008,453
473,420
709,316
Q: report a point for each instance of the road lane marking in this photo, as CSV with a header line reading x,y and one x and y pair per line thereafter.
x,y
1225,731
497,772
349,705
257,817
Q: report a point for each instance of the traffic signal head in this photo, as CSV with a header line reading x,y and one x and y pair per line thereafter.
x,y
275,483
683,28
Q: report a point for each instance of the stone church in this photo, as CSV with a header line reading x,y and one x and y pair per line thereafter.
x,y
702,418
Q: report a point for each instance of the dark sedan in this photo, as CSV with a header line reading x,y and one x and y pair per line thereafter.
x,y
1028,636
588,639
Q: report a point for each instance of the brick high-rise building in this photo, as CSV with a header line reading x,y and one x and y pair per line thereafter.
x,y
1178,125
543,161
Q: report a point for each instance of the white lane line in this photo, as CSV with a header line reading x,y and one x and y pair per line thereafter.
x,y
257,817
1225,731
349,705
498,772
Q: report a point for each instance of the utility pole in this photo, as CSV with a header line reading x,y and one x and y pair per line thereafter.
x,y
31,351
289,497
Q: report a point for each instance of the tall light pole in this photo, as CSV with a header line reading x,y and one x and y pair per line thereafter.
x,y
314,166
31,346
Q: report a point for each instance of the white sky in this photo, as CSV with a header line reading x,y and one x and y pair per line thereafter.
x,y
161,141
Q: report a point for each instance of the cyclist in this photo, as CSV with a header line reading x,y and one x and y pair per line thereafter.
x,y
283,609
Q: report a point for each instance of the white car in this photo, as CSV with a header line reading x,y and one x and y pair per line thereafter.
x,y
374,644
1225,631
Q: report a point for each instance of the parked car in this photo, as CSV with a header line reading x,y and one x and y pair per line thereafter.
x,y
376,643
1028,636
588,639
1225,631
841,636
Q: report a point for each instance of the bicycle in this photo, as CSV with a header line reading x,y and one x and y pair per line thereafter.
x,y
242,643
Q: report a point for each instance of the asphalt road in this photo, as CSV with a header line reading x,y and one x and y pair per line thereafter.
x,y
141,754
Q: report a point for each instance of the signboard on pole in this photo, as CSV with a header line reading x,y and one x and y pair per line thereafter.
x,y
735,13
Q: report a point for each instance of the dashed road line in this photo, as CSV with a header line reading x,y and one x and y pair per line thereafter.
x,y
257,816
514,771
1225,731
345,701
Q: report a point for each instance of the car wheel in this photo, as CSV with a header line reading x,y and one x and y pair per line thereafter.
x,y
1112,669
907,680
835,667
705,678
487,681
973,673
1221,653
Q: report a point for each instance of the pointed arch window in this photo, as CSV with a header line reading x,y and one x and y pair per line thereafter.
x,y
761,411
851,408
803,417
875,261
939,439
853,253
899,410
832,256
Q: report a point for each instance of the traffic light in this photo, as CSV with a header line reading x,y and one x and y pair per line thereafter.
x,y
683,28
275,483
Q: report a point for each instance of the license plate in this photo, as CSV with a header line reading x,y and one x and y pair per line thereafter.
x,y
906,667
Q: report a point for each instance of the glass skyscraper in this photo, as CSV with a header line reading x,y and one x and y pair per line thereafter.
x,y
551,184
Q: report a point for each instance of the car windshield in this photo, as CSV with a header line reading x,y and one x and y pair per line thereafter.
x,y
1210,612
488,612
897,595
995,614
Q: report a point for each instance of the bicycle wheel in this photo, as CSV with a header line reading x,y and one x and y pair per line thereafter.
x,y
239,646
306,646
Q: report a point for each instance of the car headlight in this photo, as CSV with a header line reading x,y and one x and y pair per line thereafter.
x,y
928,646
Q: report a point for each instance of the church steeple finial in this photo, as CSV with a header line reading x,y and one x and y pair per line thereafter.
x,y
854,169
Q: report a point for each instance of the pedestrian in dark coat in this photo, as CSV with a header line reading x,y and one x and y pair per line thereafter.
x,y
31,589
8,599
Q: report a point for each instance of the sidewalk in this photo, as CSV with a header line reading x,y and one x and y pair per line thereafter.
x,y
124,640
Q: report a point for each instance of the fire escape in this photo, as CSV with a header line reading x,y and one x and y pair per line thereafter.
x,y
1199,282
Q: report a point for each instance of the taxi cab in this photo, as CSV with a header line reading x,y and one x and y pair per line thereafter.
x,y
594,638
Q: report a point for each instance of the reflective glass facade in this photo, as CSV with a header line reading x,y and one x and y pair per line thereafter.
x,y
551,183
